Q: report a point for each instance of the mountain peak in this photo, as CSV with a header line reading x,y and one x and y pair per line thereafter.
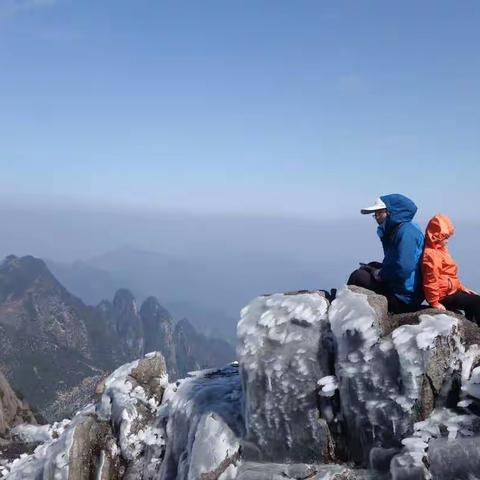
x,y
151,308
27,262
19,274
123,297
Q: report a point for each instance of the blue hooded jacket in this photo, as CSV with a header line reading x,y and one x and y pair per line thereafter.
x,y
402,243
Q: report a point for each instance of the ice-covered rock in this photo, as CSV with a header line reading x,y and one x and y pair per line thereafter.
x,y
283,351
322,392
387,382
32,433
102,441
203,422
276,471
426,448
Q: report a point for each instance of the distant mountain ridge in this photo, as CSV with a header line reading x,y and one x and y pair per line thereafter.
x,y
51,342
209,290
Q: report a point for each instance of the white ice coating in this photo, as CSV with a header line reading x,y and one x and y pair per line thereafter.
x,y
472,386
50,459
27,433
118,406
279,337
369,366
412,343
328,385
415,446
203,425
351,312
270,319
215,443
364,383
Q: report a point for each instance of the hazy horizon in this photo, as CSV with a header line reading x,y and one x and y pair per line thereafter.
x,y
205,266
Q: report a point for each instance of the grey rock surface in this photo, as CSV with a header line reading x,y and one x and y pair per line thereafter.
x,y
454,459
13,410
195,351
158,326
128,324
282,358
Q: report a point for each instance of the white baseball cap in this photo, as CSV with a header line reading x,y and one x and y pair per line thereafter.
x,y
378,205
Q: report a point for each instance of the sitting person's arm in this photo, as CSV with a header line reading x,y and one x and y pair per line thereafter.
x,y
431,275
400,264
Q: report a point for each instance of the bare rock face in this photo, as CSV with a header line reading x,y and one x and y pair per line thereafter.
x,y
128,323
33,302
87,441
44,343
13,411
280,338
158,328
195,351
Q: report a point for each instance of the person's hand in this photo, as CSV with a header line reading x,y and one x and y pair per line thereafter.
x,y
439,306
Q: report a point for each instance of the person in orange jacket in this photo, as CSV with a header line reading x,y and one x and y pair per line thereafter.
x,y
443,289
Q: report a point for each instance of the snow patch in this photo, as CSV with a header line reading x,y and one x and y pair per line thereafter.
x,y
329,385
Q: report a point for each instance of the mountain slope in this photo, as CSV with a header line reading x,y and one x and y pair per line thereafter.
x,y
51,343
44,339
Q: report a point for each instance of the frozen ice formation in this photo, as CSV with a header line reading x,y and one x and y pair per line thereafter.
x,y
106,438
279,338
386,381
201,416
326,392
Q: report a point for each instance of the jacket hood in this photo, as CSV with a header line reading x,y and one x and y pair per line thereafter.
x,y
400,209
439,228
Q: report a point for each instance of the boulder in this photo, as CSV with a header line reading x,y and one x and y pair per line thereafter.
x,y
283,352
203,425
388,378
106,440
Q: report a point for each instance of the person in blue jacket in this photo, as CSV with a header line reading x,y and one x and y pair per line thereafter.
x,y
398,277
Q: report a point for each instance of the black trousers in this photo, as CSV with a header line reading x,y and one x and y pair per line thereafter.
x,y
364,278
468,302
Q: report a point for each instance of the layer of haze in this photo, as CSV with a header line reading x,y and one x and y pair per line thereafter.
x,y
205,268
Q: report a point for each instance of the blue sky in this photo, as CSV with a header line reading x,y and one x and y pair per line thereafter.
x,y
298,108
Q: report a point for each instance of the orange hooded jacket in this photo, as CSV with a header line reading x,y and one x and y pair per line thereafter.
x,y
439,270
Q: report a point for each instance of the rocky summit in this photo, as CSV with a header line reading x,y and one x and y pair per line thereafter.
x,y
54,349
321,391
